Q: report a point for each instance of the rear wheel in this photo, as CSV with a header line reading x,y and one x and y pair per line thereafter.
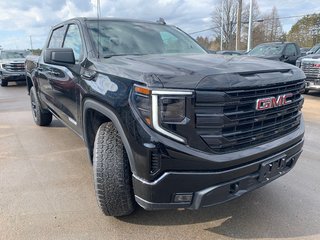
x,y
40,116
112,175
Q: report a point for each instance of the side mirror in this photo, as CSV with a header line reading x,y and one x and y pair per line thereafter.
x,y
285,57
59,56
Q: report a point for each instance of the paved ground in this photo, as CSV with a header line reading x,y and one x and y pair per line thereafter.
x,y
46,190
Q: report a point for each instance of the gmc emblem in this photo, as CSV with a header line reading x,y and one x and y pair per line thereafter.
x,y
272,102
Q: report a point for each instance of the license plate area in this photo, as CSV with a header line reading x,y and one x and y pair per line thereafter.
x,y
272,168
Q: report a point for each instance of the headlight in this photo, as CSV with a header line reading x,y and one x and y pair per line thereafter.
x,y
298,63
173,110
158,107
142,100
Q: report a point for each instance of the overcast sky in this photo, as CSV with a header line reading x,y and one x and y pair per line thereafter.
x,y
21,19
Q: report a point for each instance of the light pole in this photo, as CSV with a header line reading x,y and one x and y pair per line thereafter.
x,y
31,43
238,34
250,27
221,29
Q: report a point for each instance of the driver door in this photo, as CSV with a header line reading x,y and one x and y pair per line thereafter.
x,y
290,54
62,92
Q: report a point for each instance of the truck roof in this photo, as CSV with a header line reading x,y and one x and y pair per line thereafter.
x,y
13,50
275,43
82,19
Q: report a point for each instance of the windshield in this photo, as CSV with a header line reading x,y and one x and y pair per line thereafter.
x,y
267,50
315,48
14,54
136,38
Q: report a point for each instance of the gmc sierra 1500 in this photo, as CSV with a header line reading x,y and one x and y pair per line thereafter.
x,y
12,66
310,65
166,124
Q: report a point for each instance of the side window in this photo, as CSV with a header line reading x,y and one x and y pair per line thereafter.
x,y
57,37
291,50
73,40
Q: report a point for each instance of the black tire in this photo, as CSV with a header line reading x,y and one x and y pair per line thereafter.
x,y
40,116
3,83
112,175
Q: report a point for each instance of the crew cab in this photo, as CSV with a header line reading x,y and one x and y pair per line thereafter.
x,y
287,52
12,66
166,124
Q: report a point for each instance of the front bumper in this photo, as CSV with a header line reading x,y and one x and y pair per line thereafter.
x,y
312,84
12,76
210,187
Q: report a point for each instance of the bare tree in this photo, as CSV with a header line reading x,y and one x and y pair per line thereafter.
x,y
204,42
266,27
272,26
257,28
227,8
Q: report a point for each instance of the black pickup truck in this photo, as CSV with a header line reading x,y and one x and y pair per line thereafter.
x,y
287,52
166,124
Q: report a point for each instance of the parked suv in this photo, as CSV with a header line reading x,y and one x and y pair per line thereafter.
x,y
287,52
12,66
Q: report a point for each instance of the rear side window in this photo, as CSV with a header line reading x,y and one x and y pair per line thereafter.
x,y
73,40
57,37
291,50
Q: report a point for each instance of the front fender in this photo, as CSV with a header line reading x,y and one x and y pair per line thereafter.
x,y
91,104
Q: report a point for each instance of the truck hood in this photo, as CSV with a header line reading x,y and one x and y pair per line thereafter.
x,y
310,57
269,57
13,60
205,71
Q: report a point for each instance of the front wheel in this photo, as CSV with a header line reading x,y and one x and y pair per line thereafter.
x,y
112,175
40,116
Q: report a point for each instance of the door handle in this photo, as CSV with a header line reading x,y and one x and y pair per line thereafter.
x,y
40,69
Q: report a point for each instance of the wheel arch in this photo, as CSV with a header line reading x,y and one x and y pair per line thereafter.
x,y
102,114
30,82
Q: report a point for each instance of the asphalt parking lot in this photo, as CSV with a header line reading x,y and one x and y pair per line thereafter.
x,y
46,190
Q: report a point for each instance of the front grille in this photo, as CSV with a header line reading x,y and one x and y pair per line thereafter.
x,y
310,70
228,121
14,67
